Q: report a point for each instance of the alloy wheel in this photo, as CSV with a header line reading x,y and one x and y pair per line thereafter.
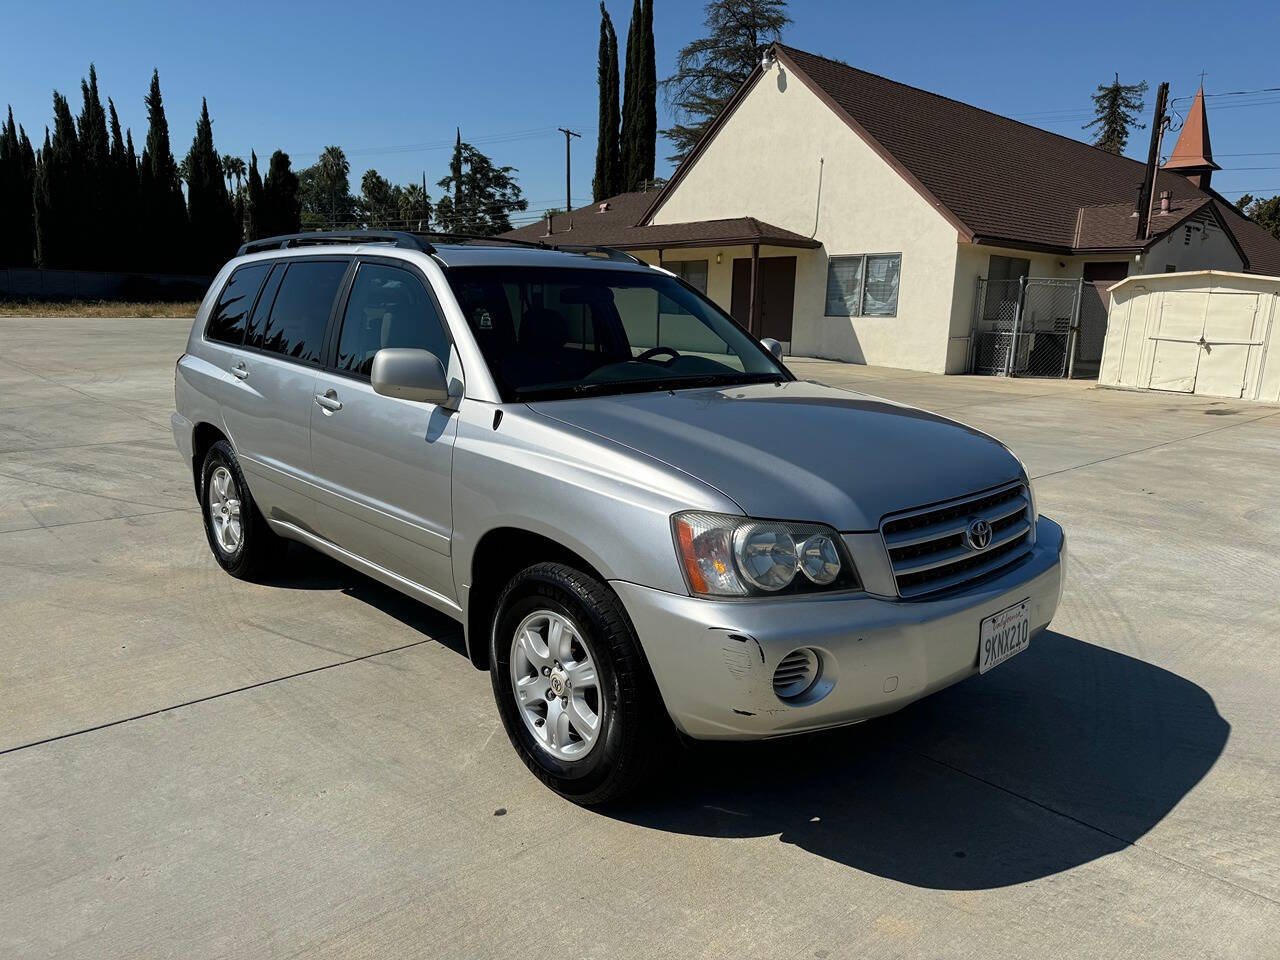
x,y
556,685
224,510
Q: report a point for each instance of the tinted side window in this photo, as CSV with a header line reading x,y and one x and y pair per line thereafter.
x,y
253,333
226,323
301,309
388,307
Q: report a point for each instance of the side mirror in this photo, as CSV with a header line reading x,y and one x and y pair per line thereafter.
x,y
409,374
773,346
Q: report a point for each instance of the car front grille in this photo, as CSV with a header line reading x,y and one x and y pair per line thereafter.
x,y
929,547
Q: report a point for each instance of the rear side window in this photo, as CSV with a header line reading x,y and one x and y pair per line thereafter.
x,y
388,307
253,334
296,325
227,322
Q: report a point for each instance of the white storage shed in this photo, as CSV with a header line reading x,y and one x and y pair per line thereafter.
x,y
1207,332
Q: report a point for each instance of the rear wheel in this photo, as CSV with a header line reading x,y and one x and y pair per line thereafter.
x,y
239,537
575,694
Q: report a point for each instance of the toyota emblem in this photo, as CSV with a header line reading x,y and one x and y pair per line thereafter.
x,y
978,534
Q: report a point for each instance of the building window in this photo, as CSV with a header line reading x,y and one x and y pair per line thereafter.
x,y
863,286
692,272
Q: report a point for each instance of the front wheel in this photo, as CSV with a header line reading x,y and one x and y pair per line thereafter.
x,y
573,689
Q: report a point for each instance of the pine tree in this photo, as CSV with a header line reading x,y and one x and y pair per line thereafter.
x,y
480,197
93,237
163,214
1117,107
17,182
710,69
608,178
280,197
254,204
209,210
58,194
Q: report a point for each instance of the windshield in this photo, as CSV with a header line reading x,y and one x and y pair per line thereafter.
x,y
549,333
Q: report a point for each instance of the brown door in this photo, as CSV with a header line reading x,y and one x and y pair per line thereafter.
x,y
1093,313
775,299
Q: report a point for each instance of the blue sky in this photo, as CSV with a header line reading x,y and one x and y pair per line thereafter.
x,y
390,81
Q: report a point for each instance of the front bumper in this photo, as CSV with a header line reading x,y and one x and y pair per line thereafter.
x,y
714,660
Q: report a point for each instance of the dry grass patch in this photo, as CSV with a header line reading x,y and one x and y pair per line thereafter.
x,y
96,308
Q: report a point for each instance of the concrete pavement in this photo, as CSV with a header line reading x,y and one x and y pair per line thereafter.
x,y
194,766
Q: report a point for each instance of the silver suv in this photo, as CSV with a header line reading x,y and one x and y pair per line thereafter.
x,y
644,522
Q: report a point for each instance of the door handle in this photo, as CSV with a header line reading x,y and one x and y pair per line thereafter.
x,y
240,371
329,401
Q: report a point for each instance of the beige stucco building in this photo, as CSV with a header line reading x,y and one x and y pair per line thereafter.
x,y
856,218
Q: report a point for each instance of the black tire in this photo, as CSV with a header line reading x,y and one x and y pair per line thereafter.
x,y
635,724
258,545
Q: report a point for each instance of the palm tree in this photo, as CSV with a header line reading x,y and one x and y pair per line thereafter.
x,y
233,167
334,171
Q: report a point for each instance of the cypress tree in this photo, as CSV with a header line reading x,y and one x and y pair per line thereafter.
x,y
280,197
93,235
210,213
122,199
254,209
163,213
17,216
58,194
639,99
647,81
608,176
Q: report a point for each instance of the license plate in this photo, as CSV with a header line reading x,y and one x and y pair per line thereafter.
x,y
1004,634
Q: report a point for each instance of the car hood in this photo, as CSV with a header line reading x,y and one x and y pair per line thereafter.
x,y
799,450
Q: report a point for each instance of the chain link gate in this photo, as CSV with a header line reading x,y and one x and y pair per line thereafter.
x,y
1027,327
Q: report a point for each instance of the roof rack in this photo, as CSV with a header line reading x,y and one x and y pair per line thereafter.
x,y
594,249
397,238
422,242
436,235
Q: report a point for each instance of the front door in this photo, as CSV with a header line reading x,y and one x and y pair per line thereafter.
x,y
384,465
775,297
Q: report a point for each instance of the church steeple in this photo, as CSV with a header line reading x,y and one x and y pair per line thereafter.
x,y
1192,155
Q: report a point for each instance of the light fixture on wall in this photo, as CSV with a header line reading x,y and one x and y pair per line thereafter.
x,y
718,257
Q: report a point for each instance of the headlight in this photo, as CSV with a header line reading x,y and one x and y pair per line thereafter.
x,y
726,556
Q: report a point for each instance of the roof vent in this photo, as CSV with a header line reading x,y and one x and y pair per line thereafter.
x,y
1165,197
602,207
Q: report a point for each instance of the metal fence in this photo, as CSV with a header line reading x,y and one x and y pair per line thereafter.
x,y
1029,327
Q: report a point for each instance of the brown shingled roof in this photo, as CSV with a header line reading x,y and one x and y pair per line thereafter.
x,y
996,179
617,226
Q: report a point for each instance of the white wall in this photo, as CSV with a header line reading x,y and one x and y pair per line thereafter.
x,y
1199,244
764,163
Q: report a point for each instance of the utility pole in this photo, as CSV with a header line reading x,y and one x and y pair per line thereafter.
x,y
1147,197
568,191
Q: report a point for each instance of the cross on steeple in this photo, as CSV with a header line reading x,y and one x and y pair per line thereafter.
x,y
1202,76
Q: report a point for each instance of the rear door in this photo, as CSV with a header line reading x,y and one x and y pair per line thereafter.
x,y
268,413
383,466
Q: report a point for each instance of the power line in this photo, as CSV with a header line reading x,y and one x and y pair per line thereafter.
x,y
508,137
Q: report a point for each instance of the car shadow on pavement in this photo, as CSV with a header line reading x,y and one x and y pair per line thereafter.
x,y
304,569
1065,754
